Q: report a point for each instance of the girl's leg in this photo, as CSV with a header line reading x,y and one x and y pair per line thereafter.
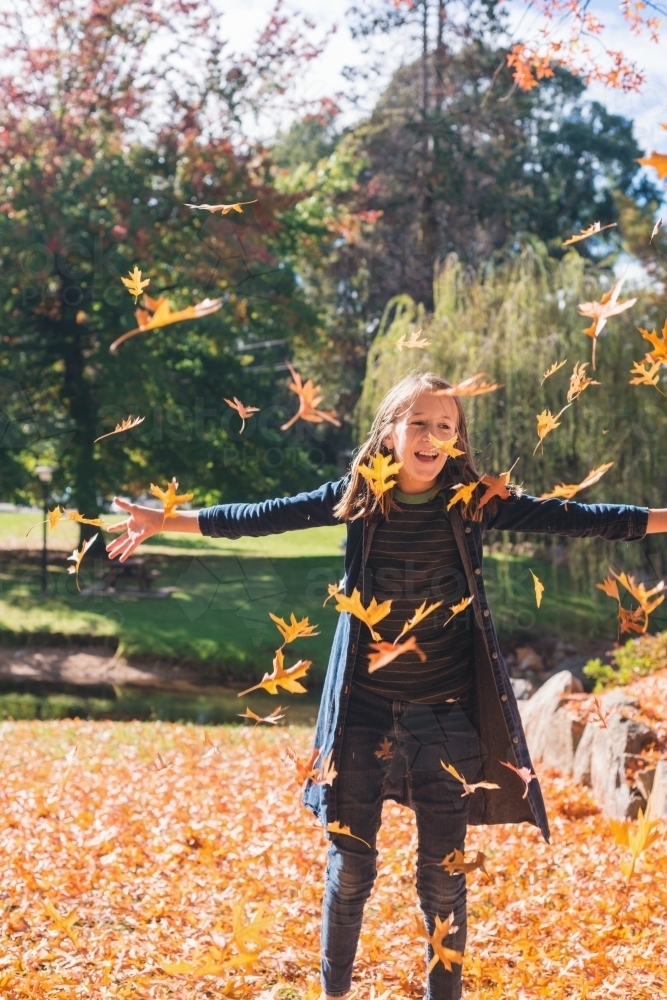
x,y
351,865
431,734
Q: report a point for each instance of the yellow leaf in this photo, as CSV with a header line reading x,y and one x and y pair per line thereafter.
x,y
659,343
456,609
370,616
591,231
446,446
379,473
163,316
546,422
170,497
243,411
413,342
656,160
64,924
125,425
552,369
464,492
73,515
441,953
420,614
294,629
567,491
273,717
468,789
333,589
280,677
578,382
53,518
473,386
601,311
234,206
646,373
539,588
134,284
77,557
337,828
455,862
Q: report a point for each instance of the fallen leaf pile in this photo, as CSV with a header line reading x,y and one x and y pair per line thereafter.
x,y
204,878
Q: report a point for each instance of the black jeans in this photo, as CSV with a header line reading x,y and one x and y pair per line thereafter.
x,y
383,739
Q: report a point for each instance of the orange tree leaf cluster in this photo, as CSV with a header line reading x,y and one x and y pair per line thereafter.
x,y
154,863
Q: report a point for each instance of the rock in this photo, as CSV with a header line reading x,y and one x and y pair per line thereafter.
x,y
552,731
609,749
528,658
659,791
644,780
523,688
618,699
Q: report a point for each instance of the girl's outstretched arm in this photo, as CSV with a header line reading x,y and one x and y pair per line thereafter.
x,y
232,520
615,522
657,520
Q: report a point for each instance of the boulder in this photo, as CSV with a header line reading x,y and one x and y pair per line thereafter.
x,y
617,699
600,763
522,687
659,791
552,730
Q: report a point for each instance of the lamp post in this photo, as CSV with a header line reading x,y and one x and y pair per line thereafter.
x,y
45,474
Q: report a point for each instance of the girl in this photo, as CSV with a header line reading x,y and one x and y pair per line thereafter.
x,y
390,731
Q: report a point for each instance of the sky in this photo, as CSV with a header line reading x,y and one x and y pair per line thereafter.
x,y
323,79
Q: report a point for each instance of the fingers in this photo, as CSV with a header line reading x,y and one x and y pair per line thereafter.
x,y
123,504
118,526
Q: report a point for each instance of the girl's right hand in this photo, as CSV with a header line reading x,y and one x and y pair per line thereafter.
x,y
140,525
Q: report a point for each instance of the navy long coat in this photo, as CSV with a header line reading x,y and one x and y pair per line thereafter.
x,y
499,723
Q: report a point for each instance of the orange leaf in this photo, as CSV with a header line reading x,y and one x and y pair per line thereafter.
x,y
413,342
387,652
170,498
310,396
163,316
468,789
337,828
243,411
280,677
370,616
567,491
473,386
125,425
293,629
591,231
223,209
524,773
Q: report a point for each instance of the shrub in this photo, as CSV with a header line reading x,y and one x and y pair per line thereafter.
x,y
637,658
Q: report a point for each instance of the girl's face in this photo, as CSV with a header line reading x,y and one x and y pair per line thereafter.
x,y
408,440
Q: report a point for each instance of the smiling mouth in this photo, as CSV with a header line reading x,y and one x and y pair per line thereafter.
x,y
427,456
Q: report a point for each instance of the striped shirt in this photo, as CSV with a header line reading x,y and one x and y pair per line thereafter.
x,y
414,558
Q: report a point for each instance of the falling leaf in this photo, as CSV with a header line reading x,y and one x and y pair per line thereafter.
x,y
646,373
456,609
223,209
601,311
370,616
420,614
337,828
644,835
293,629
578,382
243,411
333,589
656,229
496,486
591,231
280,677
539,588
385,752
77,557
413,342
163,316
524,773
456,864
659,352
473,386
468,789
446,446
52,518
160,763
323,775
170,497
553,369
442,928
125,425
64,924
633,620
546,422
310,396
464,492
387,652
272,718
379,473
567,491
73,515
134,284
656,160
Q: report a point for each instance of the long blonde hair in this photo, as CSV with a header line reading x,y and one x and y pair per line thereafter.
x,y
358,499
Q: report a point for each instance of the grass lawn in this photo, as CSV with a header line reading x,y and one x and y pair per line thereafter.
x,y
218,615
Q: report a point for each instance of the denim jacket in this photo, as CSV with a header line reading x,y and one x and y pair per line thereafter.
x,y
498,720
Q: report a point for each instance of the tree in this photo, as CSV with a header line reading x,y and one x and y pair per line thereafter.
x,y
106,131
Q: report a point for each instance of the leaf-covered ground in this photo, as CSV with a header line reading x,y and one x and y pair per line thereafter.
x,y
125,849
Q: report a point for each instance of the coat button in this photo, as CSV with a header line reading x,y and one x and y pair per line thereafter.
x,y
515,739
468,530
487,613
478,572
503,697
494,656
